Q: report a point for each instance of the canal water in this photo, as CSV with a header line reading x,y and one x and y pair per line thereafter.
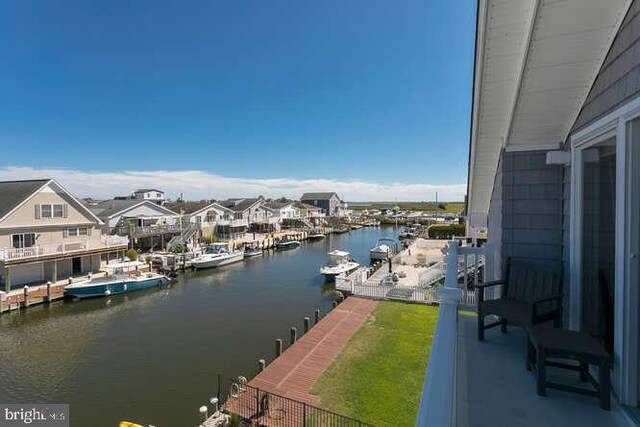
x,y
153,356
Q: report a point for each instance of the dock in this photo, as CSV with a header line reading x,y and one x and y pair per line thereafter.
x,y
289,378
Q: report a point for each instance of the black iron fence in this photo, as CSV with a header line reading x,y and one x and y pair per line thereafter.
x,y
260,407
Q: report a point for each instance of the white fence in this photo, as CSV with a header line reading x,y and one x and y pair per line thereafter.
x,y
470,265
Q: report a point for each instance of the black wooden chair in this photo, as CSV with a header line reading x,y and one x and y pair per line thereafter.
x,y
531,294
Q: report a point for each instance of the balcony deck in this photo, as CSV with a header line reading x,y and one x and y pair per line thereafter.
x,y
494,388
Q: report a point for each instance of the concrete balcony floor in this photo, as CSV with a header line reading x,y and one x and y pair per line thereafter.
x,y
495,389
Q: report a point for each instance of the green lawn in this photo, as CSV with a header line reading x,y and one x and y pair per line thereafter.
x,y
453,207
379,375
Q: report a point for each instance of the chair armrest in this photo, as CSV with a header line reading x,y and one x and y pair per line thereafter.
x,y
489,284
557,296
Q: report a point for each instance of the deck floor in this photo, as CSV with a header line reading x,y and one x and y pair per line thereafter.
x,y
495,389
298,368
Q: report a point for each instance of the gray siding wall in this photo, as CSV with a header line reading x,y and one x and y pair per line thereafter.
x,y
532,207
619,78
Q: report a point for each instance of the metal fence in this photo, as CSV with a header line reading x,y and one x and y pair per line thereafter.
x,y
269,409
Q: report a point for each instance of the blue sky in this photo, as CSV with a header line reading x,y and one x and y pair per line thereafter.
x,y
349,91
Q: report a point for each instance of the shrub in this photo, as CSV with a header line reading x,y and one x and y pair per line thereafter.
x,y
132,254
447,231
210,239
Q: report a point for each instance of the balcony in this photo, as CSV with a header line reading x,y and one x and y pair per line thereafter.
x,y
472,383
65,248
233,222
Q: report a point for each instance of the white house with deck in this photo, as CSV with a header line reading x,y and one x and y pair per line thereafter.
x,y
46,234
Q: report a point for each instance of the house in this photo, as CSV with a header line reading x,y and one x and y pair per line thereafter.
x,y
313,214
554,176
247,214
204,215
148,224
330,203
47,234
151,194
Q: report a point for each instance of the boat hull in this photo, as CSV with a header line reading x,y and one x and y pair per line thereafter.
x,y
330,276
378,255
287,245
217,262
115,287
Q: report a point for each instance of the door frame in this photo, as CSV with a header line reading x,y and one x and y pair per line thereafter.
x,y
626,333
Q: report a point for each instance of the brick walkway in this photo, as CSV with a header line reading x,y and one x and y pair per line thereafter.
x,y
294,373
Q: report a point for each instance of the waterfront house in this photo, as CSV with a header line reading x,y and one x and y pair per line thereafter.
x,y
314,215
204,215
554,176
329,202
246,213
47,234
147,223
151,194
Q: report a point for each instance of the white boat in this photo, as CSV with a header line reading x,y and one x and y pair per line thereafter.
x,y
251,251
339,262
120,278
289,244
384,249
216,255
316,236
375,223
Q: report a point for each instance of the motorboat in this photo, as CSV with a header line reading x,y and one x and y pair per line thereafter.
x,y
216,255
385,248
288,244
316,236
121,278
252,251
339,262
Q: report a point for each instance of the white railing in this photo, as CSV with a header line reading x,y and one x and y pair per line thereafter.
x,y
233,222
11,254
437,406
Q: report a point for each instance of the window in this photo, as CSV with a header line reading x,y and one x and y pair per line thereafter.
x,y
51,211
23,240
76,231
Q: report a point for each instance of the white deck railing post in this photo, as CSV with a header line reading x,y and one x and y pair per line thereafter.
x,y
437,406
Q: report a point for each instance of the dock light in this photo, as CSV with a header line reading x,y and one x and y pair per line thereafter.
x,y
203,412
214,402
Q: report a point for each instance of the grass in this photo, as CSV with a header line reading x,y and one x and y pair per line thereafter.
x,y
449,207
379,375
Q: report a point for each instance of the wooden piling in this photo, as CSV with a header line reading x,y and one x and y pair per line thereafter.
x,y
294,335
278,347
25,294
317,316
48,292
306,324
262,364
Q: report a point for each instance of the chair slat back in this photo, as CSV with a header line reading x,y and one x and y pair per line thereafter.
x,y
527,281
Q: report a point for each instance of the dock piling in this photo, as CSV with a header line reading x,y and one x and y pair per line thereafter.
x,y
203,410
317,316
278,347
294,334
25,292
262,364
48,291
306,324
334,304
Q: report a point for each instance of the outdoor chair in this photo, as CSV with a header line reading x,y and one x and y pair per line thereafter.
x,y
530,294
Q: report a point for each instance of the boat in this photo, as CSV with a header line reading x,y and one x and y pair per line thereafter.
x,y
375,223
339,262
385,247
121,278
216,255
251,251
316,236
288,244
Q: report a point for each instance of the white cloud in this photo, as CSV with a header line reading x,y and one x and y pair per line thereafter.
x,y
197,185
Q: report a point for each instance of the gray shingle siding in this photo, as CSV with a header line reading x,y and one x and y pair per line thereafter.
x,y
619,77
532,207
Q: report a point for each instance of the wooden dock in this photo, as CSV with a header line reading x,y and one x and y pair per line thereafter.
x,y
294,373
